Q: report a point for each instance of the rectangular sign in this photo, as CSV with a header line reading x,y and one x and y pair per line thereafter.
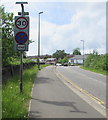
x,y
21,47
21,33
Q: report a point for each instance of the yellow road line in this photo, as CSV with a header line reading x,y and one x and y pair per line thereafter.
x,y
81,90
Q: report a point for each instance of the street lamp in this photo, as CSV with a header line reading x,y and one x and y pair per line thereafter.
x,y
83,51
39,40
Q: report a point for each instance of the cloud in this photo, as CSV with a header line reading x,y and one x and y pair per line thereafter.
x,y
6,1
64,25
86,24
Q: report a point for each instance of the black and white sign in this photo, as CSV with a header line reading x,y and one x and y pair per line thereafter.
x,y
21,47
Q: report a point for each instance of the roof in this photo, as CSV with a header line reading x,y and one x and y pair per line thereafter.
x,y
78,57
51,59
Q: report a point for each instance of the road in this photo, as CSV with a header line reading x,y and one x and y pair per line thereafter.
x,y
54,95
92,82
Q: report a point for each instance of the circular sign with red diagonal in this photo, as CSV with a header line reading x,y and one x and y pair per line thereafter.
x,y
21,23
21,37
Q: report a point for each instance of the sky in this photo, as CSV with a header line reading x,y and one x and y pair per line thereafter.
x,y
64,23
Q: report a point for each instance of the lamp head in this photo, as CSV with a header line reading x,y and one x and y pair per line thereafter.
x,y
40,12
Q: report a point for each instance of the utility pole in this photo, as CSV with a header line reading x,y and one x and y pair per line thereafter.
x,y
39,41
83,51
22,13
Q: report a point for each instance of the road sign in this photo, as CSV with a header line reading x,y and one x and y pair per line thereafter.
x,y
21,23
21,33
21,47
21,37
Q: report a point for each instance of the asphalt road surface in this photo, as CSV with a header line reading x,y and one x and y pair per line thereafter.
x,y
92,82
52,97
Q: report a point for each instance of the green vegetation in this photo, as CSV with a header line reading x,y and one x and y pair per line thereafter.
x,y
59,54
97,63
76,51
64,60
7,37
14,104
104,72
8,53
16,61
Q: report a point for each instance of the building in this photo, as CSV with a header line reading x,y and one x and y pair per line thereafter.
x,y
77,59
41,56
42,61
51,61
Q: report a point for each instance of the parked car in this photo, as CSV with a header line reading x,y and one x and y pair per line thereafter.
x,y
58,64
65,64
72,64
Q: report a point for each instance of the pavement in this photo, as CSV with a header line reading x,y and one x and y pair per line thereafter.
x,y
51,98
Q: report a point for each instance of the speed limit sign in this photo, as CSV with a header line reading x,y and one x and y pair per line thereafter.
x,y
21,23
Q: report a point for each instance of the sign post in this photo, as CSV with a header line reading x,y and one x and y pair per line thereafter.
x,y
21,42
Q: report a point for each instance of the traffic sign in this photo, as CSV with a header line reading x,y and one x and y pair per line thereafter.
x,y
21,47
21,23
21,37
21,33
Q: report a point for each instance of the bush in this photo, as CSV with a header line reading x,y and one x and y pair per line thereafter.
x,y
97,61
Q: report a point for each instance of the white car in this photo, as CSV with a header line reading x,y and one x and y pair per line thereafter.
x,y
58,64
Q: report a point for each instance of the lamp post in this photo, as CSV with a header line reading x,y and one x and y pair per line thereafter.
x,y
83,51
39,40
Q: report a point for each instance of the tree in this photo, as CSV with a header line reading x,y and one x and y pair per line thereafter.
x,y
64,60
59,54
97,61
95,52
8,52
76,51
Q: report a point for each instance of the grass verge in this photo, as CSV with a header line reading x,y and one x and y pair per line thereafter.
x,y
104,72
14,104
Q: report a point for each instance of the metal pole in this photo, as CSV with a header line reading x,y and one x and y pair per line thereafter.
x,y
21,60
21,69
22,9
39,41
83,51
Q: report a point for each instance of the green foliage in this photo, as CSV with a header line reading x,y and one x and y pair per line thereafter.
x,y
59,54
104,72
46,57
76,51
14,104
64,60
97,61
16,61
8,53
7,38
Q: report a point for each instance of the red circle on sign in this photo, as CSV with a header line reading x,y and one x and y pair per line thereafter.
x,y
19,19
21,37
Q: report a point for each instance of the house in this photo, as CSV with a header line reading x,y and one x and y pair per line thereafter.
x,y
42,61
51,61
77,59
